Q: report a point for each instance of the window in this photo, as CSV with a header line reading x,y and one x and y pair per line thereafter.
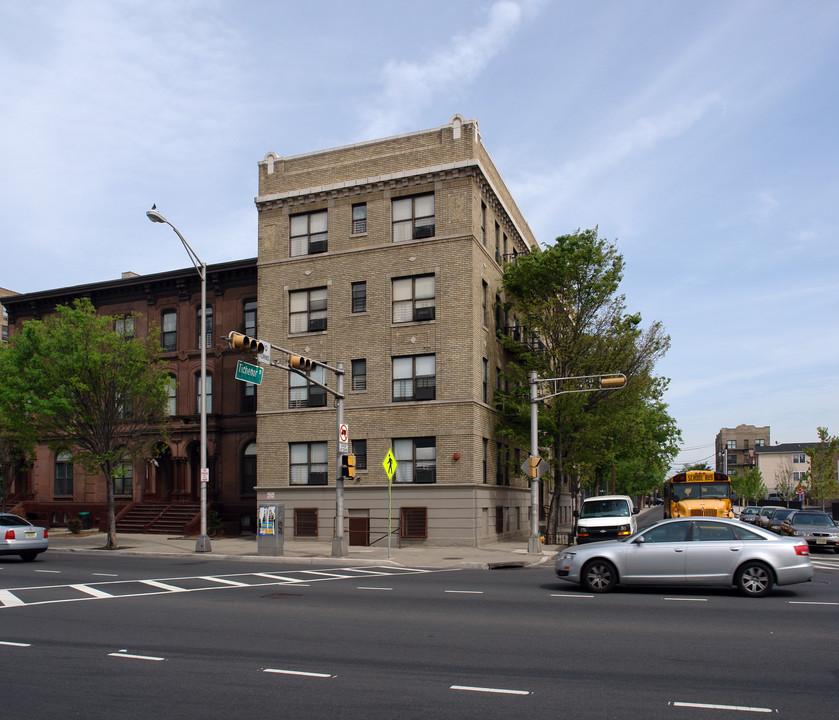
x,y
308,233
483,224
307,310
359,297
302,393
732,459
359,219
359,374
760,442
208,327
413,299
123,479
308,463
63,474
305,522
125,326
413,522
171,396
731,444
485,303
248,397
359,449
799,459
705,531
209,392
249,318
413,217
798,476
484,461
248,477
484,379
497,243
416,460
414,378
672,532
169,337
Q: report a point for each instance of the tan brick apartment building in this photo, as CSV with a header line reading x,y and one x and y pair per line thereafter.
x,y
387,256
736,447
55,489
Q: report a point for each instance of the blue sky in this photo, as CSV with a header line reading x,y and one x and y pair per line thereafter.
x,y
700,136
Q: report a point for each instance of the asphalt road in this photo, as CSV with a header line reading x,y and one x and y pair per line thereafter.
x,y
86,636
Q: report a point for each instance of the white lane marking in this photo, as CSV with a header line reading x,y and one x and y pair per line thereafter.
x,y
105,574
674,599
163,586
278,671
284,578
373,588
810,602
502,691
15,644
9,600
465,592
92,591
123,654
223,581
706,706
571,595
54,572
326,574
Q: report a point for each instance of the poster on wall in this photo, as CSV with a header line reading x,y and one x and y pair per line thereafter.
x,y
268,520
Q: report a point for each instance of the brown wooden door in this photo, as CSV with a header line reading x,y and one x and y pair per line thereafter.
x,y
360,531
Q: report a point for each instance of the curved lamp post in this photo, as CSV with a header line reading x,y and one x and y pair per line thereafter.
x,y
202,544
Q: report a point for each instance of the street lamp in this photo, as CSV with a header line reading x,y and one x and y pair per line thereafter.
x,y
202,544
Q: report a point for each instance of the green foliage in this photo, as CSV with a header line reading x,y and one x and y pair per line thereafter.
x,y
748,484
215,526
822,478
75,382
566,296
74,525
687,467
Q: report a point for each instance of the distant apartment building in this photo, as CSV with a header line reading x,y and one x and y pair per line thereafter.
x,y
4,316
386,256
736,447
56,489
783,467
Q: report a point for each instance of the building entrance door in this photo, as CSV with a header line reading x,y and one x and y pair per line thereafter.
x,y
359,531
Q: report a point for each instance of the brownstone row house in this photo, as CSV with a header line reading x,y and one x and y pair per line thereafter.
x,y
384,256
162,493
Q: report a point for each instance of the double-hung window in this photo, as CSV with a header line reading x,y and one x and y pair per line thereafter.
x,y
208,328
359,297
309,233
302,393
416,460
124,326
414,299
63,474
307,310
414,378
123,479
209,393
359,219
169,336
308,463
359,374
413,217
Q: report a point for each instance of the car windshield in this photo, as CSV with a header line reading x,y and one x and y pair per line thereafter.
x,y
604,508
706,490
12,520
821,520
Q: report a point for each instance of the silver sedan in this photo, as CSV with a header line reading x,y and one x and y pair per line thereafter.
x,y
21,537
690,551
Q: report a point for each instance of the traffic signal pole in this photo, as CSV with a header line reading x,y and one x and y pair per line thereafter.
x,y
339,541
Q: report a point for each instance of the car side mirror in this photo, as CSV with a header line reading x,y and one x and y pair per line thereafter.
x,y
639,540
634,509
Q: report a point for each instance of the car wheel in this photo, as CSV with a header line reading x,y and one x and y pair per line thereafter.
x,y
599,576
754,579
28,556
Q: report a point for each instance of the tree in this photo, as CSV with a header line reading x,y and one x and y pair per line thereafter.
x,y
784,483
82,386
748,484
822,478
687,467
570,321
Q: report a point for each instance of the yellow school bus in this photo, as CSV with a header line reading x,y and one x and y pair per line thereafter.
x,y
702,493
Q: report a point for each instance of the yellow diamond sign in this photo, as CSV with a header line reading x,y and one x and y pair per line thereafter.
x,y
389,464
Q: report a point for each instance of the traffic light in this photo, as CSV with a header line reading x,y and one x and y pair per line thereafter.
x,y
301,363
348,466
245,343
612,382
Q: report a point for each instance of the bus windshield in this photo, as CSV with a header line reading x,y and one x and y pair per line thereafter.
x,y
705,491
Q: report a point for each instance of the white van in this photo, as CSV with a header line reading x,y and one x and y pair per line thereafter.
x,y
605,517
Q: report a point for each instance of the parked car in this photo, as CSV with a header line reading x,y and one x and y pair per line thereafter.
x,y
749,514
762,519
690,551
604,517
777,517
817,528
21,537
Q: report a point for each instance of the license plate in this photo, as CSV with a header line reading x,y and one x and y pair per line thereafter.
x,y
30,534
821,541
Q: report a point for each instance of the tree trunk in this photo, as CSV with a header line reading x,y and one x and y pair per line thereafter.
x,y
111,543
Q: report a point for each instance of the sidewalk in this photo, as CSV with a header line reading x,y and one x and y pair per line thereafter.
x,y
492,556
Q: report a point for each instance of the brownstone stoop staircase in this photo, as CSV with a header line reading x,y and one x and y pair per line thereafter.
x,y
168,518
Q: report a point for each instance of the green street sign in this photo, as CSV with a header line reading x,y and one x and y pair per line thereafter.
x,y
248,373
